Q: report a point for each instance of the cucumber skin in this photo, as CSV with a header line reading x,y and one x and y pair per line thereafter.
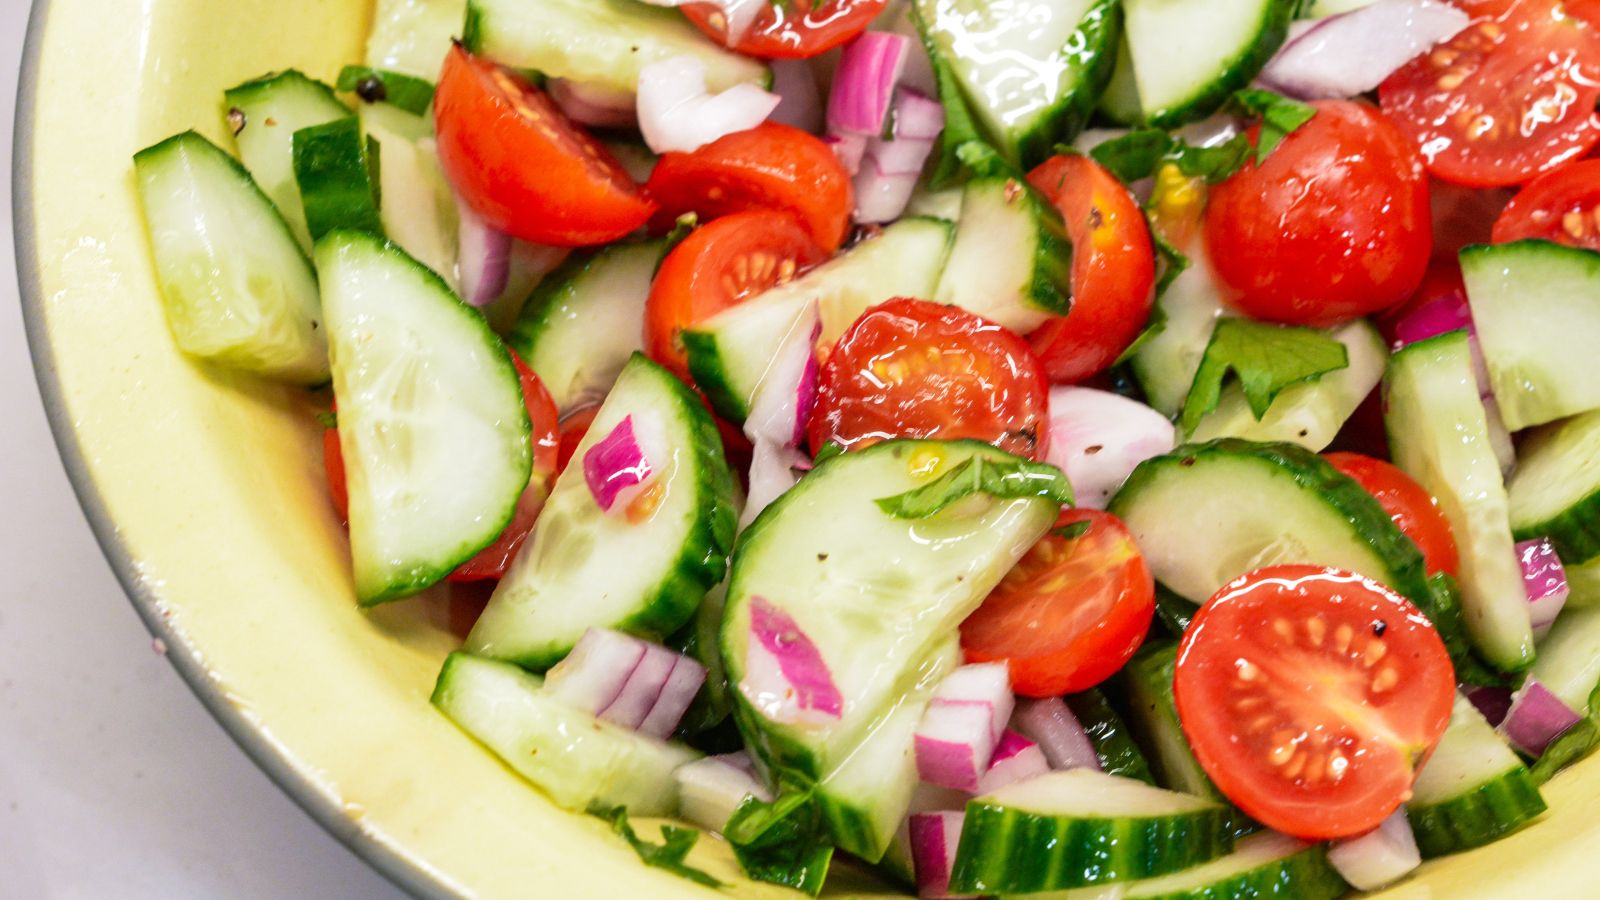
x,y
1101,29
1479,817
1145,685
1051,287
1274,30
1113,743
337,195
1307,875
1004,850
701,350
1575,531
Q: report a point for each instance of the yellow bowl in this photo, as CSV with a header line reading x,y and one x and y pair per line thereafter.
x,y
206,492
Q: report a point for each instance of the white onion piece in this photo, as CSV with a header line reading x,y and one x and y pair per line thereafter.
x,y
675,697
483,254
677,113
934,838
711,789
1382,856
1097,438
1015,759
643,688
595,672
1350,54
799,103
1059,734
593,105
1536,718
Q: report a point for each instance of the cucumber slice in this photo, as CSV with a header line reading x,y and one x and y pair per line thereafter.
x,y
1189,56
1537,310
1012,259
432,425
1165,365
877,596
272,109
1144,690
1080,827
1569,659
585,320
1030,70
1264,866
729,354
236,286
584,568
1309,413
418,211
1120,102
1321,9
413,36
600,42
1439,436
1472,791
1555,490
1119,755
336,167
578,760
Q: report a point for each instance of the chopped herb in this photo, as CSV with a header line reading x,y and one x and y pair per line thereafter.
x,y
783,842
828,451
329,419
1266,358
1138,154
1570,746
1280,117
669,855
1004,480
1073,531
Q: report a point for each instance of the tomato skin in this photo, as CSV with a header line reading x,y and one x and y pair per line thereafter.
x,y
1310,696
1511,96
771,166
573,427
1071,613
910,368
1335,224
523,166
333,464
793,30
1440,284
1413,509
717,266
1561,206
1113,269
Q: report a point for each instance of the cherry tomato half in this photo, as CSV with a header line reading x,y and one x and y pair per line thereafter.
x,y
1311,696
1561,206
910,368
573,427
1335,224
1113,269
1071,613
790,30
772,166
1511,96
523,166
717,266
1410,505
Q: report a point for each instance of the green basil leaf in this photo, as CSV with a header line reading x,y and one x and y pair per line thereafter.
x,y
1280,117
668,855
783,842
1002,480
1265,358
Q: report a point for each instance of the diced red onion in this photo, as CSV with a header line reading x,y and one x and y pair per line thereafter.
x,y
1059,734
1440,315
483,254
954,744
1382,856
676,112
988,684
849,148
711,789
594,105
1536,718
643,688
918,74
1349,54
934,838
881,196
1015,759
799,105
778,414
617,466
593,675
1492,702
772,474
889,170
674,699
864,82
933,798
785,676
1097,438
1546,580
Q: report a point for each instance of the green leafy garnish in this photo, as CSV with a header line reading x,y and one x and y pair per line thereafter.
x,y
1280,117
1002,480
1071,532
1139,154
1266,359
669,855
406,92
828,451
783,842
329,419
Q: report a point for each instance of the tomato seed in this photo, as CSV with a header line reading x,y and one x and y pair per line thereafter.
x,y
1316,629
1386,680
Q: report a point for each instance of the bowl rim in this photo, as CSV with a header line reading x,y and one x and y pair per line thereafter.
x,y
404,871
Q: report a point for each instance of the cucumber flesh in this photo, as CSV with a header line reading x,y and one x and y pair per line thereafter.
x,y
1166,364
586,568
418,211
1472,790
1080,827
432,425
1120,102
1555,490
599,42
1536,306
1265,866
578,760
273,109
1144,689
1568,663
413,36
236,287
1189,56
1012,259
336,167
1439,435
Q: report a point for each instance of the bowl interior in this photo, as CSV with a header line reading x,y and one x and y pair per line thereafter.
x,y
206,491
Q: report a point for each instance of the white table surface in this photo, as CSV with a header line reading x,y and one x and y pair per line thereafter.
x,y
114,782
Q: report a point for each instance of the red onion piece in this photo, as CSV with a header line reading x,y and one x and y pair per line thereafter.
x,y
674,698
954,744
778,414
988,684
1382,856
711,789
864,82
643,688
676,112
1440,315
593,105
1350,54
1059,734
1492,702
772,474
1546,580
849,148
799,105
593,675
934,838
785,676
484,255
1097,438
889,170
1015,759
616,466
1536,718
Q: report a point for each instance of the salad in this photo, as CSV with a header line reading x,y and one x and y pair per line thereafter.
x,y
1074,448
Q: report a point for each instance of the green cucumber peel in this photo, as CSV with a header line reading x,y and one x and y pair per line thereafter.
x,y
669,855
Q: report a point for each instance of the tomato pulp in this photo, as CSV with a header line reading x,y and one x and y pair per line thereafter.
x,y
1409,504
1561,206
790,30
